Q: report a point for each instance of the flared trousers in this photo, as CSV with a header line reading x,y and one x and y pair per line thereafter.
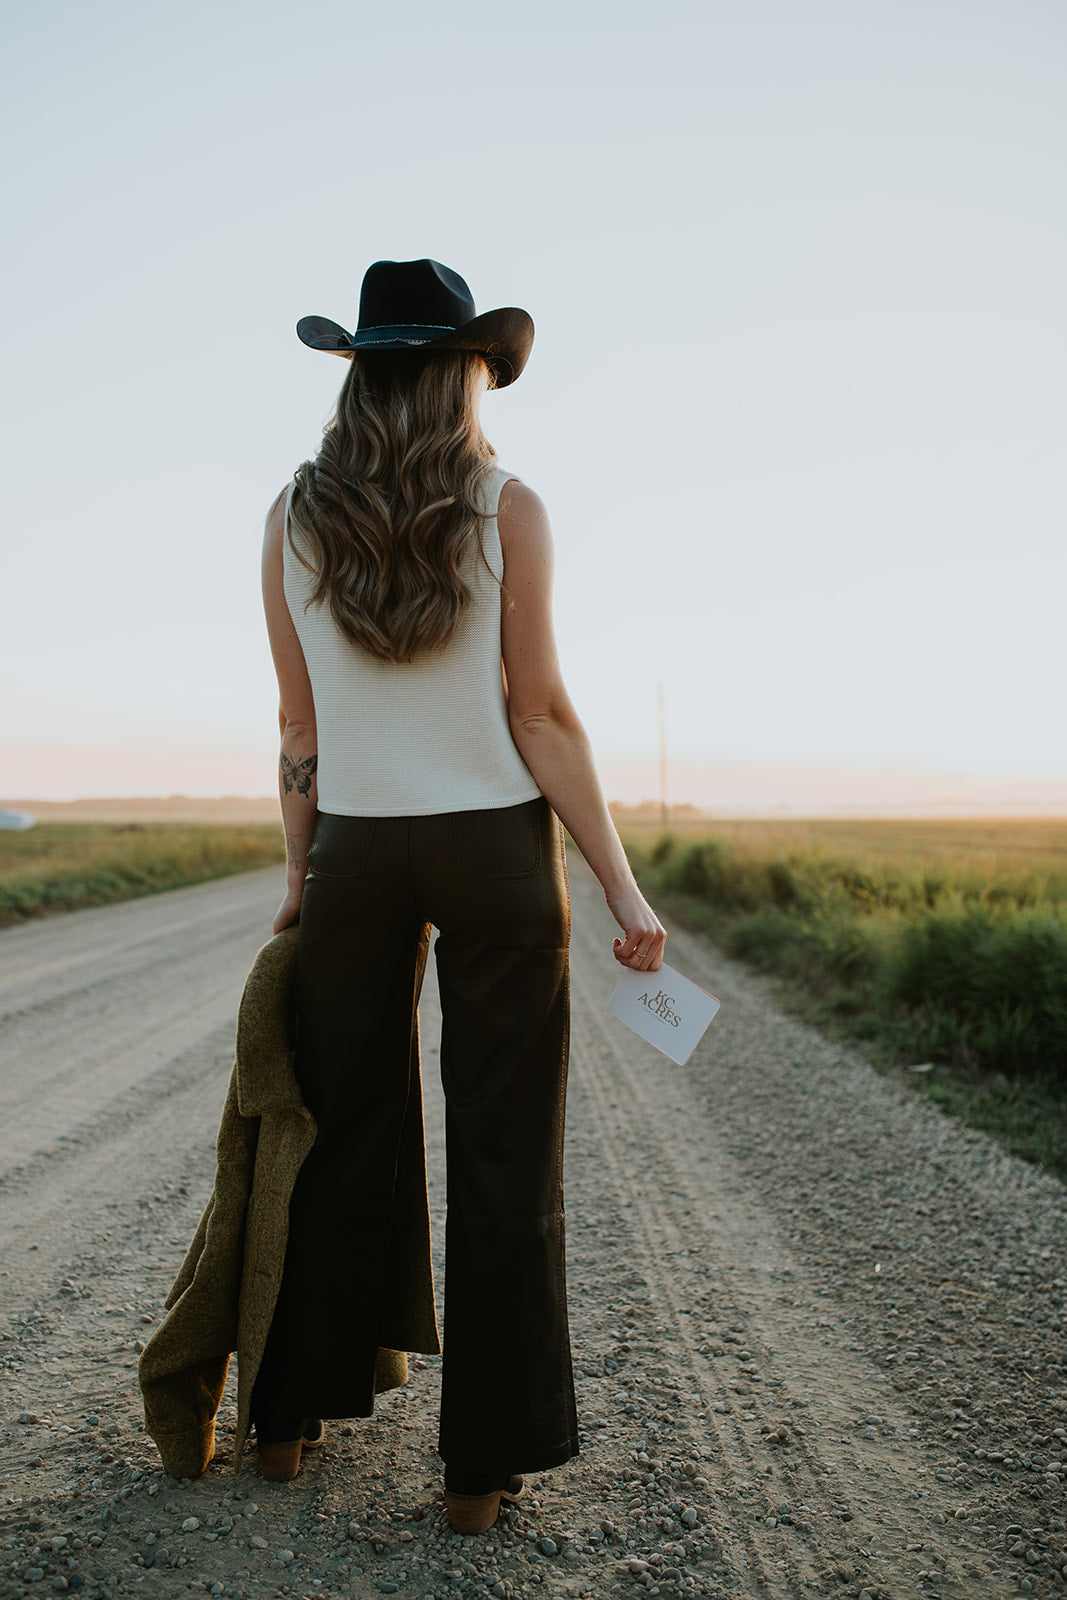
x,y
494,885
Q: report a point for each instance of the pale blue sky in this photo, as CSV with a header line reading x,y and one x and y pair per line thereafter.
x,y
796,401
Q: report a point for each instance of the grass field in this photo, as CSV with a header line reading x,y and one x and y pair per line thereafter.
x,y
64,866
942,945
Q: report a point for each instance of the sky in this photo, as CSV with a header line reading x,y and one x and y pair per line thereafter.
x,y
796,402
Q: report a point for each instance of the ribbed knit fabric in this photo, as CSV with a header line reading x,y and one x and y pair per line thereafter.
x,y
425,736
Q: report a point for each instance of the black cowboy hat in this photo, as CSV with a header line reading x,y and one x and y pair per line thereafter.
x,y
407,305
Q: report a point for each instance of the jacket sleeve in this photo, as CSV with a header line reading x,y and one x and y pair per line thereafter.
x,y
182,1370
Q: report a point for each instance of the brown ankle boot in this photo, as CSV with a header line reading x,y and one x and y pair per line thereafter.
x,y
472,1505
279,1456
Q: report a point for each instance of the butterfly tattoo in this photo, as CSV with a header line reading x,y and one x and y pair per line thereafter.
x,y
298,774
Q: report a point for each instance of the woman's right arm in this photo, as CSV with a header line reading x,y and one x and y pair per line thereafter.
x,y
546,729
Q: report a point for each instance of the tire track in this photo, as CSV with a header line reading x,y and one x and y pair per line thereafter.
x,y
773,1572
96,1001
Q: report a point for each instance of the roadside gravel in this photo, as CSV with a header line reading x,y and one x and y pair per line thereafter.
x,y
818,1328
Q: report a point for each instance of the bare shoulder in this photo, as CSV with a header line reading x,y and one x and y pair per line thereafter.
x,y
519,504
274,528
522,521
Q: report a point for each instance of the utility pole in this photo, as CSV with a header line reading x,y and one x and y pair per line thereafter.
x,y
662,762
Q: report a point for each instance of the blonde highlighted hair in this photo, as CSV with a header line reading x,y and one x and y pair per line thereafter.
x,y
388,514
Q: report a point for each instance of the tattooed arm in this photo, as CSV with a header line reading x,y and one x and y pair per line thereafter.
x,y
297,784
298,791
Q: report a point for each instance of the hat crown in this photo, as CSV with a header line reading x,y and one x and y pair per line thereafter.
x,y
415,294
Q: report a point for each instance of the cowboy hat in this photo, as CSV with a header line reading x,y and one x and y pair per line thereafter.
x,y
406,305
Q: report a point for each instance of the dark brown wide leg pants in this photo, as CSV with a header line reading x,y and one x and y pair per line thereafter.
x,y
494,885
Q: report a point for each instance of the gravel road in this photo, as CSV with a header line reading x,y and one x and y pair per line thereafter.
x,y
818,1328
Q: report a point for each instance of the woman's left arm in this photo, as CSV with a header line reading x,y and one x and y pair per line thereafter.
x,y
298,786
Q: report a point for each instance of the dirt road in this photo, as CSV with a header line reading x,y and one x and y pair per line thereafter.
x,y
818,1329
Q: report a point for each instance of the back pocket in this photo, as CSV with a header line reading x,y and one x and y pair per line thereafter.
x,y
341,846
504,843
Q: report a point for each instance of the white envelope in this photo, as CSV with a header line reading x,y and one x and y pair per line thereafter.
x,y
664,1008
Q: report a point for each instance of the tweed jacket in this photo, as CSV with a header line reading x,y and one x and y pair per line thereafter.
x,y
224,1296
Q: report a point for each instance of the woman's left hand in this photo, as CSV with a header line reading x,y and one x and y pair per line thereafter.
x,y
289,911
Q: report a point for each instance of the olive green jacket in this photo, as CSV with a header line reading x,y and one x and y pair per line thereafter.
x,y
224,1296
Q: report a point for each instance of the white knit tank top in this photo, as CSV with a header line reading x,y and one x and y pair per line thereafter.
x,y
420,737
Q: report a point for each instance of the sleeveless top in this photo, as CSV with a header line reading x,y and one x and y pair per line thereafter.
x,y
419,737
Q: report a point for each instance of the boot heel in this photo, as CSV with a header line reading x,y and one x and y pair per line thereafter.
x,y
280,1462
472,1513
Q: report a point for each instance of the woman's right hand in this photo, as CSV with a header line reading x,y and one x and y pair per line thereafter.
x,y
641,948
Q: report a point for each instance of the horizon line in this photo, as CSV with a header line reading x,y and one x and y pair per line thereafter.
x,y
954,808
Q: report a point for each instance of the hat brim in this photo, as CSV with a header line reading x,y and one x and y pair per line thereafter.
x,y
504,337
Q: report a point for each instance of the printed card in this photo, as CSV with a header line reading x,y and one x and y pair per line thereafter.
x,y
664,1008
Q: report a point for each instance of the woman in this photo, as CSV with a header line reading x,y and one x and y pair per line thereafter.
x,y
428,748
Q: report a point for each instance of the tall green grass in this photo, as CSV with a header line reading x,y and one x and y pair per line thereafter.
x,y
64,866
957,955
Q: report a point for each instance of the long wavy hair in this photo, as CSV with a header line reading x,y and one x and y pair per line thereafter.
x,y
389,512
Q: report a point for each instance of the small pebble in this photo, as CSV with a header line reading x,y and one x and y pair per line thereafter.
x,y
190,1524
548,1547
